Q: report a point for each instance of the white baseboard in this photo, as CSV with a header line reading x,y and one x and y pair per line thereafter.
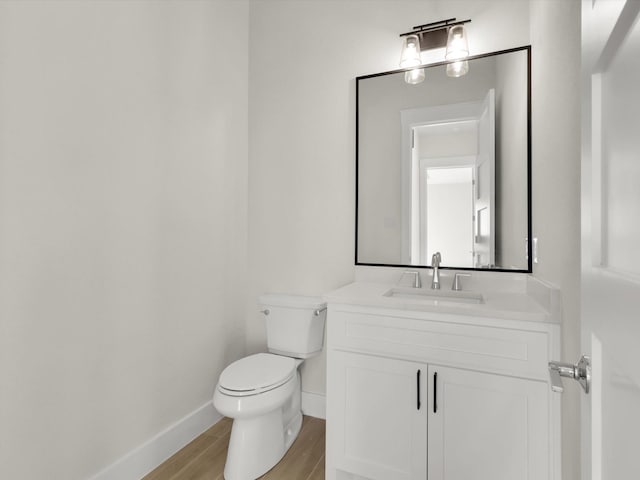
x,y
137,463
314,405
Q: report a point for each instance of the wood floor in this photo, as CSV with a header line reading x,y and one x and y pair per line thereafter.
x,y
203,458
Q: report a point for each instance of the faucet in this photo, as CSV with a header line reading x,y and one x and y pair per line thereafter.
x,y
435,264
416,281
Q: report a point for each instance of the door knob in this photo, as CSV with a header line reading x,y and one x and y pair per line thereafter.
x,y
581,372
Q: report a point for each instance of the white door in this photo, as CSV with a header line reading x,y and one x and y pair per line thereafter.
x,y
611,238
487,427
484,235
381,422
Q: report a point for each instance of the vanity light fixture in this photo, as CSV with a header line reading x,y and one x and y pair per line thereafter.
x,y
449,33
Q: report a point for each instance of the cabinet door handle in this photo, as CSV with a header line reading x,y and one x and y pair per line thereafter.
x,y
418,389
435,392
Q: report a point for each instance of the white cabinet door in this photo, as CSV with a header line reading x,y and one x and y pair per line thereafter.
x,y
378,409
487,427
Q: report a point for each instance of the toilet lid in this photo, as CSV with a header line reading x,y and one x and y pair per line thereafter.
x,y
257,372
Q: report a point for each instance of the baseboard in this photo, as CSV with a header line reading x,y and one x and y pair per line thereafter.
x,y
314,405
137,463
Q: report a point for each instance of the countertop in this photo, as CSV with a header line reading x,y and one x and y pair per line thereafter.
x,y
516,305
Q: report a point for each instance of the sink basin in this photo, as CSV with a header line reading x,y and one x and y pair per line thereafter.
x,y
434,296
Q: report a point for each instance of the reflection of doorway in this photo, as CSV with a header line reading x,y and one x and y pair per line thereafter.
x,y
446,207
448,137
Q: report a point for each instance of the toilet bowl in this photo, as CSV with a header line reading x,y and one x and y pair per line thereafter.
x,y
261,392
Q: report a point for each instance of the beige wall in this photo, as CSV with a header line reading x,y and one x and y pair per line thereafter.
x,y
123,198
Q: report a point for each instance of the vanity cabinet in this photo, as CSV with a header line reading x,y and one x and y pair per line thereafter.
x,y
419,395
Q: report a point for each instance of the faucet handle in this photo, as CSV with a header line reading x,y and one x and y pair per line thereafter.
x,y
416,281
457,286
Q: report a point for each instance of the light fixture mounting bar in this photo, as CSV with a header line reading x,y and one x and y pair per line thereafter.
x,y
434,24
434,35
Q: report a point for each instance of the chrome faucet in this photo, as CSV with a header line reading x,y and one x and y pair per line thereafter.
x,y
416,281
435,264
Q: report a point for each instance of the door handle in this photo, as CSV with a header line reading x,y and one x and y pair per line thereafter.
x,y
581,372
418,390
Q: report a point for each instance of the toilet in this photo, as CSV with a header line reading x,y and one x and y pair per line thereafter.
x,y
261,392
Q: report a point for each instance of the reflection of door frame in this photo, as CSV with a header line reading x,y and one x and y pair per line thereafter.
x,y
484,245
409,119
457,161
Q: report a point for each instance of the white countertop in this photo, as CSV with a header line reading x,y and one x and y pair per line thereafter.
x,y
518,304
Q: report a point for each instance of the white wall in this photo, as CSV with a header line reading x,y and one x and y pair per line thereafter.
x,y
123,198
440,144
305,56
511,143
556,184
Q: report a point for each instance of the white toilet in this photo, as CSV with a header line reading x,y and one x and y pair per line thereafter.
x,y
261,392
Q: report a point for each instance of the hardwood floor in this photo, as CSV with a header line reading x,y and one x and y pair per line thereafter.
x,y
204,457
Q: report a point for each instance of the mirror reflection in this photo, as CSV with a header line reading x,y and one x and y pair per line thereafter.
x,y
443,166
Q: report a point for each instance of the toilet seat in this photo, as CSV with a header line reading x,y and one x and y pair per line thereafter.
x,y
256,374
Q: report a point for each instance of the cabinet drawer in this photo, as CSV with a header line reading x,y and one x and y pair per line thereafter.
x,y
509,351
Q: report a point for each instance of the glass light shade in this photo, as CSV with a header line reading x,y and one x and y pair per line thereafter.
x,y
457,45
457,69
414,76
410,56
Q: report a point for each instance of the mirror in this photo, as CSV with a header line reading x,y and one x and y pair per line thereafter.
x,y
444,166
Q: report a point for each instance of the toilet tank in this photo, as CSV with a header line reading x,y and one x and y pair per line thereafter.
x,y
295,324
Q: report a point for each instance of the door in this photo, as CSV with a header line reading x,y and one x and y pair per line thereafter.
x,y
382,414
484,217
447,209
611,238
486,427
